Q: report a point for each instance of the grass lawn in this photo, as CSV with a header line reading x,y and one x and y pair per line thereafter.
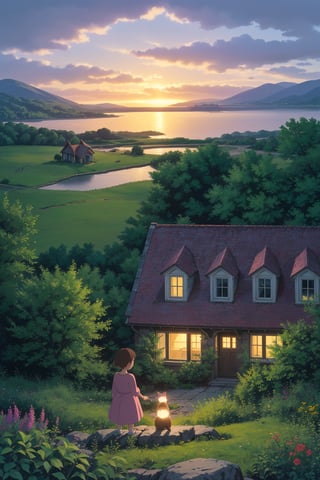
x,y
244,441
33,166
88,411
69,217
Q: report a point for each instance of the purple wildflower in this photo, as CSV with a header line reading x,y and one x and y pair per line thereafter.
x,y
16,414
31,418
9,416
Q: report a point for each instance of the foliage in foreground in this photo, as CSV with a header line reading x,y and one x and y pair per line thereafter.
x,y
29,451
285,458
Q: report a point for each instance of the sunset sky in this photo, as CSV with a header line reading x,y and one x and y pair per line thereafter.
x,y
158,52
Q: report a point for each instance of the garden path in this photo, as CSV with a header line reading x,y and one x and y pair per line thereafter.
x,y
183,401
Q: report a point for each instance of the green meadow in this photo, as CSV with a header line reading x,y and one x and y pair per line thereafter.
x,y
70,217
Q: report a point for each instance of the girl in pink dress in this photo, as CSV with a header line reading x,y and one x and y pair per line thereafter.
x,y
125,407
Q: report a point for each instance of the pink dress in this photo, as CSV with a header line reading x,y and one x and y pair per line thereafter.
x,y
125,407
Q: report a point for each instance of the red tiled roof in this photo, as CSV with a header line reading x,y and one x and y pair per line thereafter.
x,y
224,260
278,248
184,260
306,260
265,259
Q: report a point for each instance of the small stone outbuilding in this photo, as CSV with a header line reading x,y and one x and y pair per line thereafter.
x,y
78,153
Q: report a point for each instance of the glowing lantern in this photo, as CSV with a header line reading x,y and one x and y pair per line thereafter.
x,y
163,419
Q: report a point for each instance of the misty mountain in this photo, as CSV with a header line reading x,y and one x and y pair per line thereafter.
x,y
22,102
257,94
14,88
301,94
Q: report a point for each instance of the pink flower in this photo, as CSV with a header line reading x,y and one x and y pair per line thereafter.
x,y
31,418
297,461
16,414
42,416
9,416
300,447
309,452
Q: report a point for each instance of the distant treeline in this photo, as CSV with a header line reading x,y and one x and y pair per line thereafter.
x,y
22,134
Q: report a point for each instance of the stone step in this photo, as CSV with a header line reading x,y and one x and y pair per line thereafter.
x,y
145,436
224,382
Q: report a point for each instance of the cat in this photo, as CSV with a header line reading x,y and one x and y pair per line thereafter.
x,y
163,419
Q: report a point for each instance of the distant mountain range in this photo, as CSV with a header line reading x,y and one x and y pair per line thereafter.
x,y
20,101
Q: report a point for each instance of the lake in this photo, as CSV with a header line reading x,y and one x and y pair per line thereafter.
x,y
194,125
102,180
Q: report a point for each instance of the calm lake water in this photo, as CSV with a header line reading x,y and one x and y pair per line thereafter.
x,y
102,180
195,125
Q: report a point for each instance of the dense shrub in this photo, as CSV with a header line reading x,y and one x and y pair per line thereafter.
x,y
255,384
149,366
28,450
221,411
197,373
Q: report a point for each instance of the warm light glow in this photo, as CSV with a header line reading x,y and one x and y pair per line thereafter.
x,y
163,413
154,102
162,399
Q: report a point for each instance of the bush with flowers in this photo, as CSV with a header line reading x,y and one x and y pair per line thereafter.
x,y
285,459
309,414
31,451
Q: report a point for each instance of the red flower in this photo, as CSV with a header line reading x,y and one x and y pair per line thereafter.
x,y
309,452
300,447
297,461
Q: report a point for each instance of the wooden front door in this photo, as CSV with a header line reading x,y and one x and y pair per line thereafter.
x,y
227,355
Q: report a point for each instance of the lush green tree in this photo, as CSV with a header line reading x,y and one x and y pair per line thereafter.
x,y
298,137
305,180
179,191
297,359
57,327
136,151
255,191
17,227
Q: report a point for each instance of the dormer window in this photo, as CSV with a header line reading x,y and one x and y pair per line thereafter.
x,y
306,287
264,286
223,273
265,273
306,274
177,285
179,275
222,286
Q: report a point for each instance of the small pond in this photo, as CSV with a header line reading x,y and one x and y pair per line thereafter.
x,y
97,181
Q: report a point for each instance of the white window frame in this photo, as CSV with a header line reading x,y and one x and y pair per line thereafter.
x,y
264,274
220,273
306,275
187,285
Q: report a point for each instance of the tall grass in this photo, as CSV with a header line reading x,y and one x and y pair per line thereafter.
x,y
85,410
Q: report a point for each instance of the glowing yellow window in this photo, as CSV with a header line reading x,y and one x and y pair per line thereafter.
x,y
256,346
177,346
161,337
176,286
271,340
229,342
195,347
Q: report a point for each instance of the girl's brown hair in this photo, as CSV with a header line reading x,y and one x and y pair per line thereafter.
x,y
123,357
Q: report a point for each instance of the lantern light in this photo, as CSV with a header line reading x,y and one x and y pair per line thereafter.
x,y
163,419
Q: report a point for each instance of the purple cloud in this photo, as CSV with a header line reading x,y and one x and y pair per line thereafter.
x,y
242,51
37,24
28,71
